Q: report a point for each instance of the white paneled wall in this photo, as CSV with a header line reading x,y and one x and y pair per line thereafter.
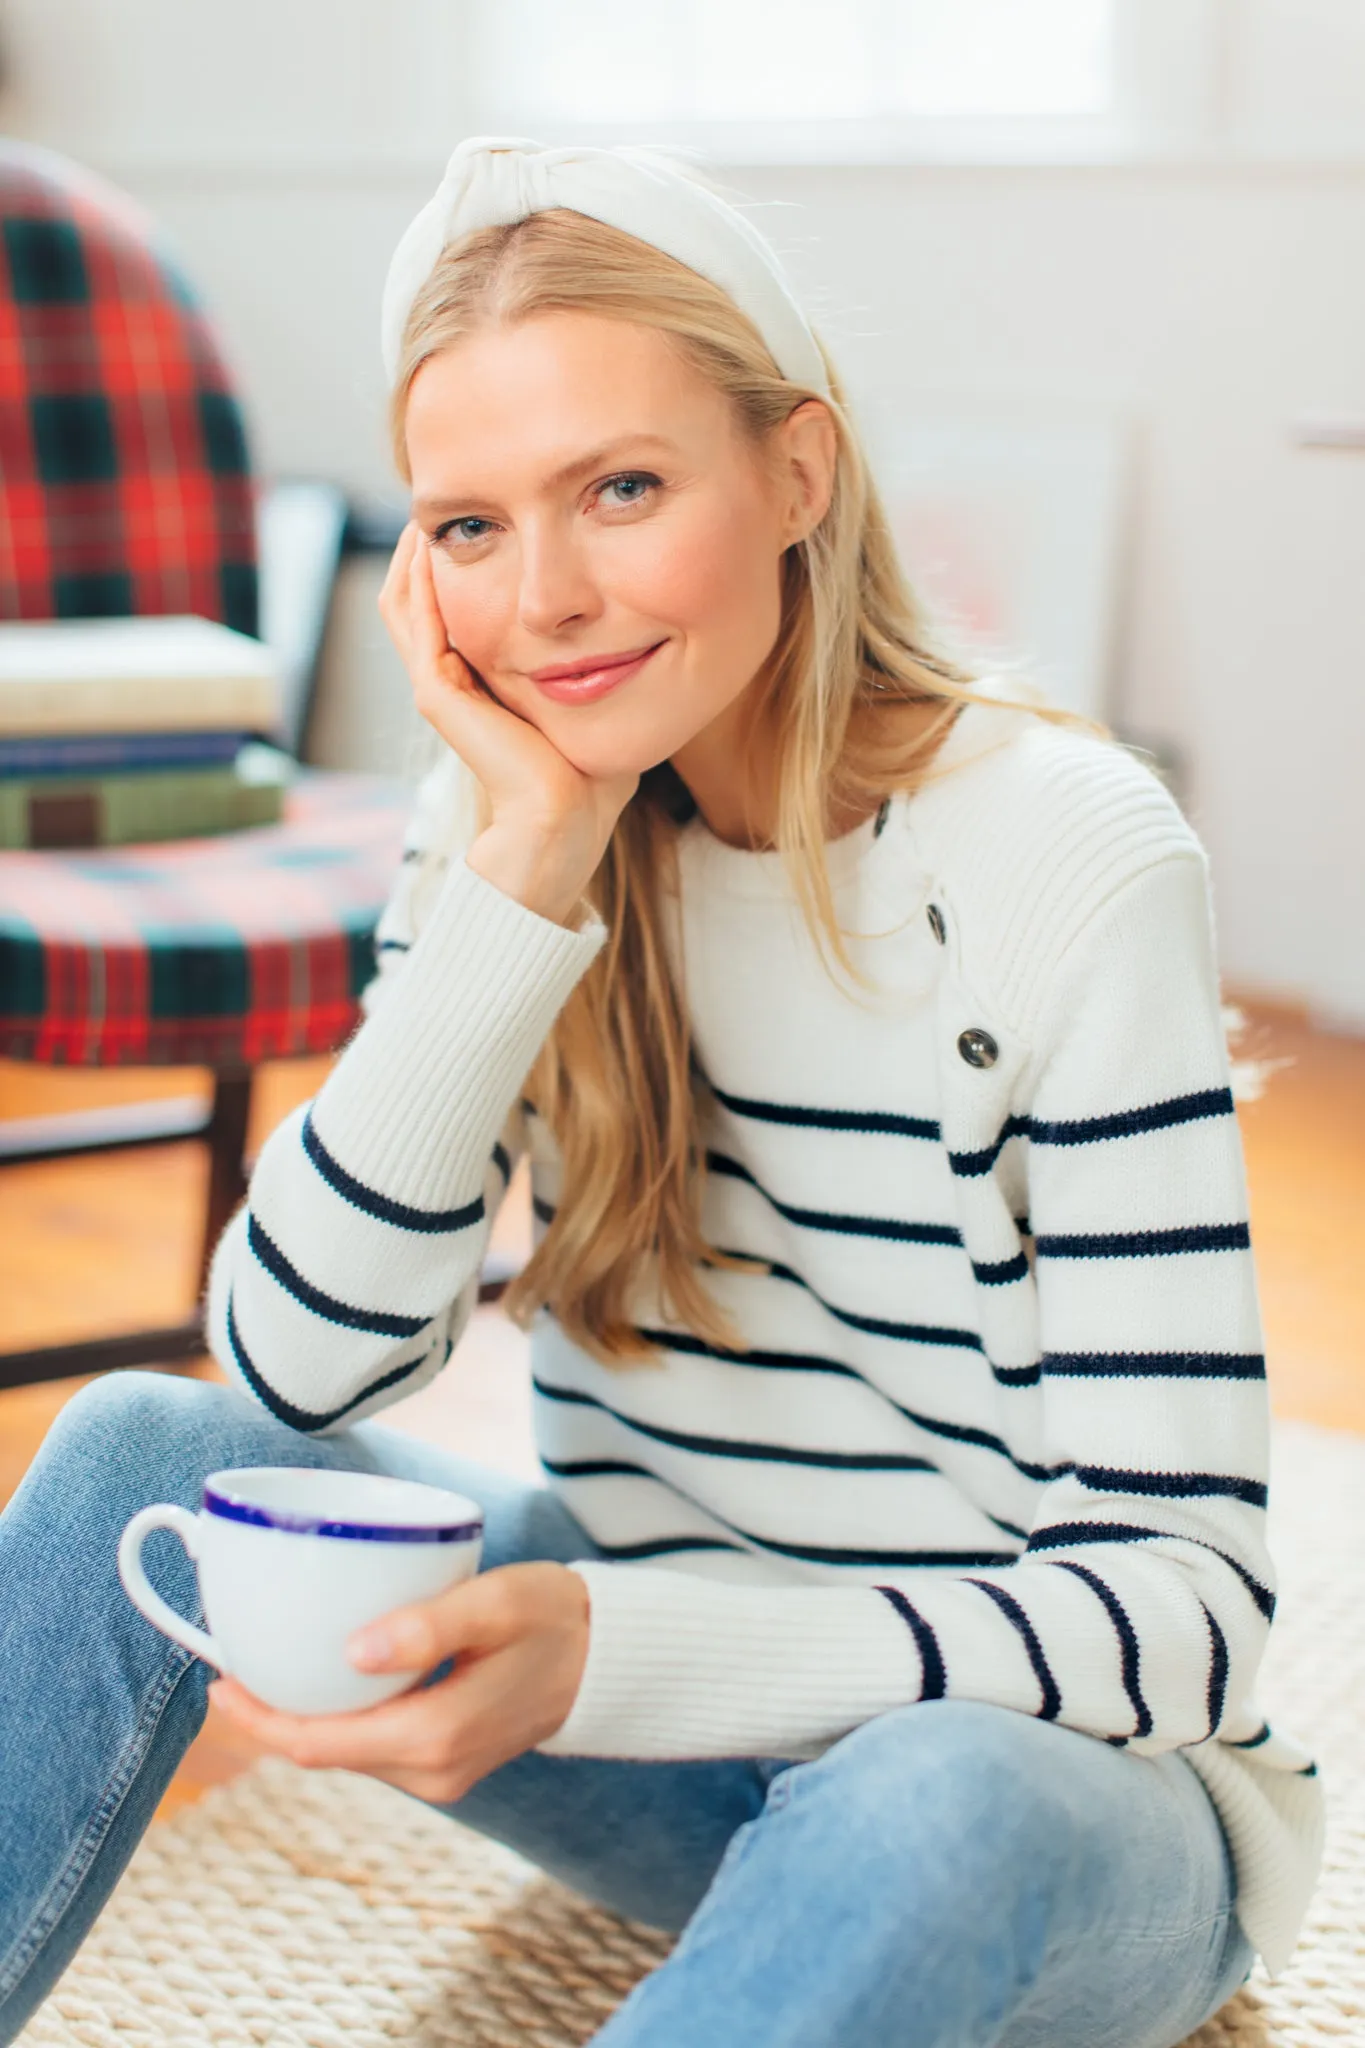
x,y
286,146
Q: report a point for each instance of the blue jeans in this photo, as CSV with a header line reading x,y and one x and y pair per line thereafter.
x,y
949,1875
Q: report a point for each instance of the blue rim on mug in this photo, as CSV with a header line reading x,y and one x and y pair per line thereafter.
x,y
294,1523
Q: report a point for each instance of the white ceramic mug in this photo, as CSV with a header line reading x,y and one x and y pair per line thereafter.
x,y
291,1561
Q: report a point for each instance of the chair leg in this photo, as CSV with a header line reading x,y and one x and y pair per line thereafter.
x,y
174,1343
177,1343
226,1134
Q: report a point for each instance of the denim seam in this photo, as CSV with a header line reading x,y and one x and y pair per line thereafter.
x,y
67,1882
1218,1919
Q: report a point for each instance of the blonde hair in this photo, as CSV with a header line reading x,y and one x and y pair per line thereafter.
x,y
614,1080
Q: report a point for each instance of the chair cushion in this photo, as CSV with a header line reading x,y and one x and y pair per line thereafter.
x,y
202,952
124,478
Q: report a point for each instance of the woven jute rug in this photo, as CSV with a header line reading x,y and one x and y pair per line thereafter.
x,y
310,1909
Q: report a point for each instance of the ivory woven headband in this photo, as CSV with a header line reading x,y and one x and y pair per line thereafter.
x,y
492,179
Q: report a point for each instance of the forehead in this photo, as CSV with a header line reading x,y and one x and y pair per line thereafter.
x,y
535,397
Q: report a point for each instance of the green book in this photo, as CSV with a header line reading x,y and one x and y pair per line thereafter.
x,y
53,811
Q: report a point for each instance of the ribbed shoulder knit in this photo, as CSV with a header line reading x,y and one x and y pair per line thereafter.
x,y
1029,829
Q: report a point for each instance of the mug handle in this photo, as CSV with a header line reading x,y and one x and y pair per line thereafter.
x,y
145,1597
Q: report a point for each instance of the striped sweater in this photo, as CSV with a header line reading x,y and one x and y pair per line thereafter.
x,y
998,1427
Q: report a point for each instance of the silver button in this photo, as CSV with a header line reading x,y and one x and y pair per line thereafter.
x,y
936,924
978,1048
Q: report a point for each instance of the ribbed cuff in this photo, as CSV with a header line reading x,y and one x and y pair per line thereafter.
x,y
681,1666
415,1103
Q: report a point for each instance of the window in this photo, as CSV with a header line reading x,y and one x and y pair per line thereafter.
x,y
860,80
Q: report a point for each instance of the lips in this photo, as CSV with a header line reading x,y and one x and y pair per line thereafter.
x,y
571,671
586,684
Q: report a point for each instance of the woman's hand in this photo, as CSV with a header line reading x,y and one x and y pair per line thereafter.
x,y
519,1635
529,782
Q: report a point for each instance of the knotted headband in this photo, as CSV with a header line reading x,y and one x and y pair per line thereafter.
x,y
493,179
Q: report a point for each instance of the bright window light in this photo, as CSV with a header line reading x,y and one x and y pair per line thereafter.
x,y
753,60
976,58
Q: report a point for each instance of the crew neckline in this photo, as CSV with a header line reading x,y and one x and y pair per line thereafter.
x,y
760,872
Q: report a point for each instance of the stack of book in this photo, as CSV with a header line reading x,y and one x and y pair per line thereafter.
x,y
118,730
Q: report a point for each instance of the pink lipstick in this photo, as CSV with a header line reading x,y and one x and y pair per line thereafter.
x,y
585,682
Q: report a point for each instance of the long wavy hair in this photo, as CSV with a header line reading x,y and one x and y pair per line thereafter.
x,y
839,703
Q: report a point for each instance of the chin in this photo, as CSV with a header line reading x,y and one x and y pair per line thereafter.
x,y
607,753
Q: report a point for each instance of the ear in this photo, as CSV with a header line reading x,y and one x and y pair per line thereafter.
x,y
809,451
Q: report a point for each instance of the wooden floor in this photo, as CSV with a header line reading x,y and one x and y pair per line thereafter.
x,y
92,1246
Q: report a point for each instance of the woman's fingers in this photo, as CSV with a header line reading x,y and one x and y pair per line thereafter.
x,y
393,597
410,1730
431,644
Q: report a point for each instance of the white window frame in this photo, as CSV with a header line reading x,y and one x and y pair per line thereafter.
x,y
1171,63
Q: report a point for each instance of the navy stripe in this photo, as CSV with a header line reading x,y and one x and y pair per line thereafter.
x,y
882,1122
1218,1671
1127,1635
792,1361
1172,1485
1002,1271
1145,1244
971,1165
1158,1116
979,1560
1017,1375
663,1546
1308,1771
502,1161
934,1684
908,1560
1254,1741
305,1418
326,1305
731,1447
1060,1534
1010,1607
597,1468
877,1326
401,1214
881,1326
827,1219
1090,1130
1171,1365
1010,1528
392,946
626,1468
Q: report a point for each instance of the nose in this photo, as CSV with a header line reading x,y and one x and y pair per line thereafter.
x,y
556,587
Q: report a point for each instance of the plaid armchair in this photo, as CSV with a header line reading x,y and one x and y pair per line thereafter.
x,y
125,487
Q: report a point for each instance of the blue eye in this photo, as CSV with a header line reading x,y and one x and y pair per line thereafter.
x,y
449,525
632,476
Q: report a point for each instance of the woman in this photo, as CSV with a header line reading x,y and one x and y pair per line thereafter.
x,y
890,1623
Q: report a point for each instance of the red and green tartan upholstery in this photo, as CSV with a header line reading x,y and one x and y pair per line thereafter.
x,y
124,479
201,952
125,488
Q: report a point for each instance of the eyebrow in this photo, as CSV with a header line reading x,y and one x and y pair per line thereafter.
x,y
434,507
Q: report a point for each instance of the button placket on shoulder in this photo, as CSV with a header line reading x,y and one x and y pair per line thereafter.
x,y
977,1047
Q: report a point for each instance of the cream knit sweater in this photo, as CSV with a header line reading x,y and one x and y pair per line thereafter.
x,y
999,1426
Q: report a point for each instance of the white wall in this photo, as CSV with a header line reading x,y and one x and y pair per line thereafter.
x,y
1217,303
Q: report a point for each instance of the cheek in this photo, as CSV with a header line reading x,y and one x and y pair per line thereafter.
x,y
712,578
470,612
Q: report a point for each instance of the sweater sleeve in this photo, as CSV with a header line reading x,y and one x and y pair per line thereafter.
x,y
1138,1607
344,1281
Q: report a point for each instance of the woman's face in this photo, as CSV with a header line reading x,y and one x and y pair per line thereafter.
x,y
587,494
